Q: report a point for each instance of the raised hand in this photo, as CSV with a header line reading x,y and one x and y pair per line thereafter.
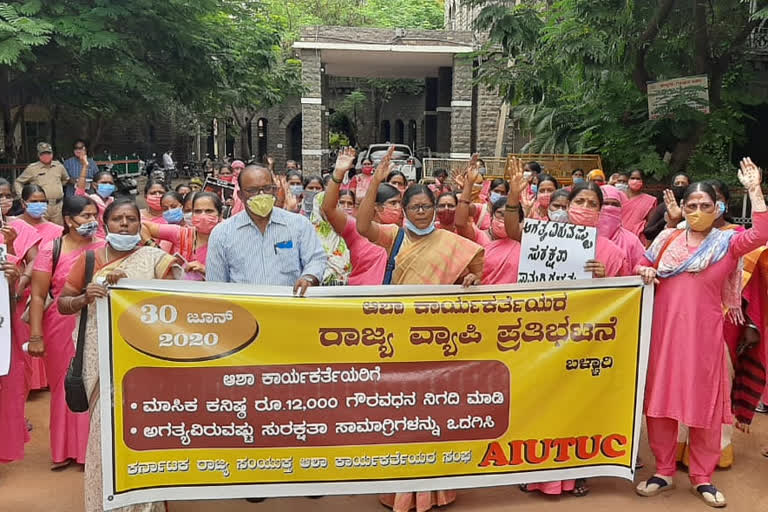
x,y
749,174
345,160
471,172
673,209
384,167
517,182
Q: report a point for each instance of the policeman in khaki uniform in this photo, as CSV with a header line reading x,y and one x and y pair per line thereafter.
x,y
51,176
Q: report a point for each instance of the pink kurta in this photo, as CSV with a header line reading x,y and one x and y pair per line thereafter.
x,y
13,392
630,244
501,260
172,233
611,256
635,211
69,431
163,244
688,378
369,261
101,205
34,367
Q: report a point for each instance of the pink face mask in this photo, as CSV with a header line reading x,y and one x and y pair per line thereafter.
x,y
205,223
6,205
367,170
391,216
544,200
635,185
446,217
498,229
583,216
154,202
610,220
46,158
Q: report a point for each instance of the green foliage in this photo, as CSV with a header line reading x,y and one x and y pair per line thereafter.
x,y
21,30
337,140
575,74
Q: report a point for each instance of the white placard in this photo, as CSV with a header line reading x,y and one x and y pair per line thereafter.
x,y
5,319
555,251
695,89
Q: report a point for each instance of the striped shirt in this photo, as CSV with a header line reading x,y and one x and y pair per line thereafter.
x,y
238,252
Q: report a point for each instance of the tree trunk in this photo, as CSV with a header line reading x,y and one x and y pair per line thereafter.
x,y
640,75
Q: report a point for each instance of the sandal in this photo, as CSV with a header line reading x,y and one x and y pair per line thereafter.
x,y
580,490
761,408
662,484
764,452
524,487
710,495
58,466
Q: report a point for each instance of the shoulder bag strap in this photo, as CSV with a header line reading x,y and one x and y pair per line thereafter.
x,y
393,255
77,363
666,246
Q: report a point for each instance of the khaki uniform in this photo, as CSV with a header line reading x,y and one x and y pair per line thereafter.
x,y
51,178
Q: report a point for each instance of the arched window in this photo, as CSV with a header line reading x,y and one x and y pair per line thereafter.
x,y
261,138
386,131
412,139
399,132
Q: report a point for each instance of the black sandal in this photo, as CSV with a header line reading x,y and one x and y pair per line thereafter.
x,y
524,488
580,490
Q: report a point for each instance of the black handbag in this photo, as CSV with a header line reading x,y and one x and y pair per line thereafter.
x,y
74,385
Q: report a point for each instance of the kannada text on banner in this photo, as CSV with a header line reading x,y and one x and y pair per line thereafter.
x,y
232,394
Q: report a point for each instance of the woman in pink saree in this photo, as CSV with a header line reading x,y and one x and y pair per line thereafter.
x,y
638,207
51,332
35,205
611,227
21,241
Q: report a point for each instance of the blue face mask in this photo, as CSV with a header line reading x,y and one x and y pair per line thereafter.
x,y
495,196
105,189
174,215
576,181
535,189
416,231
297,190
720,209
36,210
88,229
123,243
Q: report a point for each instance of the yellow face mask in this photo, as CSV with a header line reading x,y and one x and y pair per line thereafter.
x,y
700,221
261,204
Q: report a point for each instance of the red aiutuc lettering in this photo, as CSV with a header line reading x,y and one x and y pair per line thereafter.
x,y
606,447
516,453
581,447
562,446
530,450
494,455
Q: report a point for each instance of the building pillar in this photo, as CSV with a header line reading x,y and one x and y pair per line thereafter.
x,y
314,124
444,95
429,126
461,108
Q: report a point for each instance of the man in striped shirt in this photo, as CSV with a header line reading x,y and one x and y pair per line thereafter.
x,y
264,244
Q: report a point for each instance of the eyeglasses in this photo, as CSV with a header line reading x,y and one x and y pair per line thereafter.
x,y
420,208
269,189
79,147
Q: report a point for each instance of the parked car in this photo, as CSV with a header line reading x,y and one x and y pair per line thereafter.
x,y
403,157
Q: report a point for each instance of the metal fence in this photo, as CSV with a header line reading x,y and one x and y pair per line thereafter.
x,y
558,165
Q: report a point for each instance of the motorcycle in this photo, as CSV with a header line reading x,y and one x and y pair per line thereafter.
x,y
125,186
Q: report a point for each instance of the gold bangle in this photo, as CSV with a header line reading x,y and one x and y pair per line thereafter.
x,y
338,182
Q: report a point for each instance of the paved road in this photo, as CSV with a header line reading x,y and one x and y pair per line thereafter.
x,y
29,486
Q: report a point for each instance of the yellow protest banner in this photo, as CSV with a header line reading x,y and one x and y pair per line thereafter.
x,y
212,390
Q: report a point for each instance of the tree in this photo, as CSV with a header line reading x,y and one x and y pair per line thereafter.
x,y
576,74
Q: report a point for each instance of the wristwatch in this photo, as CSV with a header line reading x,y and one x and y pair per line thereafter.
x,y
309,277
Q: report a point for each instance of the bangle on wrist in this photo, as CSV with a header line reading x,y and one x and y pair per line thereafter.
x,y
338,182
